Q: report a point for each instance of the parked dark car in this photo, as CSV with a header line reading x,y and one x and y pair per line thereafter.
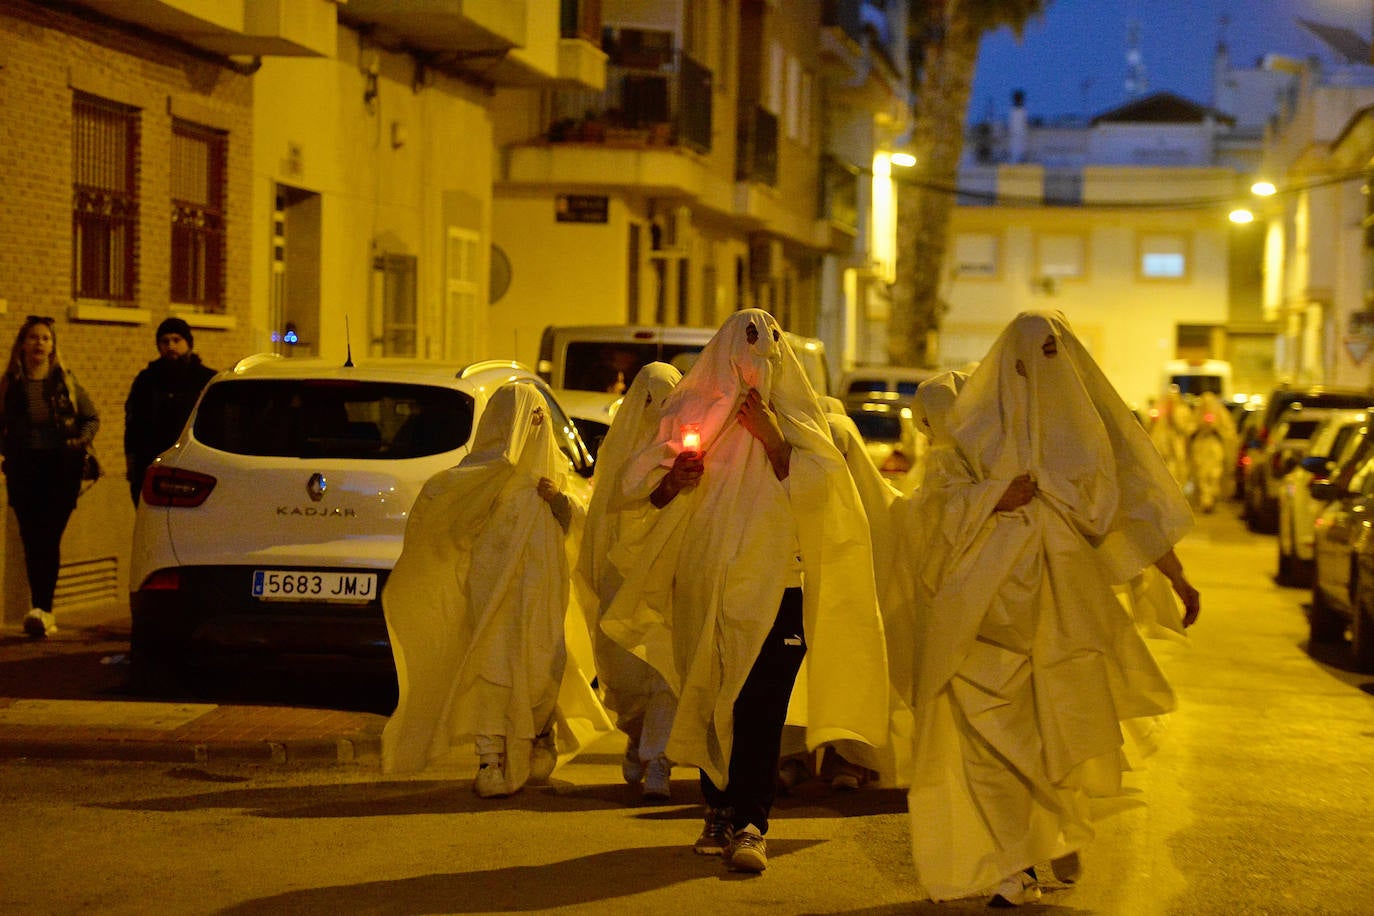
x,y
1343,551
1259,452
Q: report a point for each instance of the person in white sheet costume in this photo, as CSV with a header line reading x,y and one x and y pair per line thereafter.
x,y
713,588
847,765
638,695
477,605
1050,493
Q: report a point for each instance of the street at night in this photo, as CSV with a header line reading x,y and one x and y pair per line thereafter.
x,y
1258,801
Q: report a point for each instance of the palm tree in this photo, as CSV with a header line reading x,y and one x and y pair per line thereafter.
x,y
945,35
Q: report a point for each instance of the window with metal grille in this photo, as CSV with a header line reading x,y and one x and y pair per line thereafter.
x,y
198,158
104,199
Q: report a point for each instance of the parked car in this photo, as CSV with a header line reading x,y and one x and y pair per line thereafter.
x,y
265,535
1333,442
1257,484
1343,550
591,412
606,357
891,439
883,383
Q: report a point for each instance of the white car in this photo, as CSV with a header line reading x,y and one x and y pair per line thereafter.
x,y
1333,442
891,439
265,535
591,412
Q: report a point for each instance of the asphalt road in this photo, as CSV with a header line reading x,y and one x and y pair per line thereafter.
x,y
1258,801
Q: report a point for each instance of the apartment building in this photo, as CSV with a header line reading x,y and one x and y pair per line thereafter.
x,y
1317,262
300,176
127,163
728,163
1123,222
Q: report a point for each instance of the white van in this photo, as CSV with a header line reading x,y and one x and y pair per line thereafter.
x,y
607,357
1196,376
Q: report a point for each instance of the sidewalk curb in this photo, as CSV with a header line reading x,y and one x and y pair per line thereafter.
x,y
364,751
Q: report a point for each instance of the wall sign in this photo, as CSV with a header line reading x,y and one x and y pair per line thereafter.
x,y
581,208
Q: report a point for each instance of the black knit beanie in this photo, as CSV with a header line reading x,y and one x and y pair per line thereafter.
x,y
176,326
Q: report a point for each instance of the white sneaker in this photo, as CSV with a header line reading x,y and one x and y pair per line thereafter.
x,y
1017,889
748,850
543,758
39,623
658,779
490,781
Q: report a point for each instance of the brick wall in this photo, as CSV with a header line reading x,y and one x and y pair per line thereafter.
x,y
44,55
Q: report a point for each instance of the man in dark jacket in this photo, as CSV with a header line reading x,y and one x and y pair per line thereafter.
x,y
161,399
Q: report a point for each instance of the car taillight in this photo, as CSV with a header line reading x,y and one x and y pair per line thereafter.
x,y
896,463
174,487
164,580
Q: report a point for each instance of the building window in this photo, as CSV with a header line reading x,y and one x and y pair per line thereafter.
x,y
399,327
1061,256
1163,256
104,199
975,254
198,177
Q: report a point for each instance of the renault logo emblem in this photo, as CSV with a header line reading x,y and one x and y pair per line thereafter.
x,y
316,487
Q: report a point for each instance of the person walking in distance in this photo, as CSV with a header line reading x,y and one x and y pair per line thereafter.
x,y
48,424
160,399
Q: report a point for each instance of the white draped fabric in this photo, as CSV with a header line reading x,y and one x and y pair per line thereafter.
x,y
628,683
1028,663
703,583
477,604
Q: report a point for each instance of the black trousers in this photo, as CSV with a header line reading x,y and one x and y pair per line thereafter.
x,y
43,485
760,712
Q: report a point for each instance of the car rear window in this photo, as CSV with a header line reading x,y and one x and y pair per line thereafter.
x,y
877,427
605,366
326,418
1301,429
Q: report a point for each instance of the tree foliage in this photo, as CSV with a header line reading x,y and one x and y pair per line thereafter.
x,y
944,40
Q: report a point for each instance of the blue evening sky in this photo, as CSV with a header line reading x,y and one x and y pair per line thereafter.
x,y
1072,60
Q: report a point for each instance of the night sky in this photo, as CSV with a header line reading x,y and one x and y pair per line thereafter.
x,y
1073,60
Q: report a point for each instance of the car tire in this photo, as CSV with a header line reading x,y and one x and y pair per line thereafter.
x,y
1324,624
1302,572
1284,576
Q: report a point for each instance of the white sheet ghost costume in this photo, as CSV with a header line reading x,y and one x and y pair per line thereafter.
x,y
1028,663
877,495
703,584
639,696
477,604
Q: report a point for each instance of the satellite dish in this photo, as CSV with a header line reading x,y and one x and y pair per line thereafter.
x,y
500,275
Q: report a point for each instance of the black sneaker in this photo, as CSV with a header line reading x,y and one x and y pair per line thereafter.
x,y
716,833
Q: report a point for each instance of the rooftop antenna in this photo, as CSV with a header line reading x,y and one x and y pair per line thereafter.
x,y
1136,80
348,343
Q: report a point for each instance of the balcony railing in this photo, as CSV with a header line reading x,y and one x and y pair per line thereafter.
x,y
756,153
658,99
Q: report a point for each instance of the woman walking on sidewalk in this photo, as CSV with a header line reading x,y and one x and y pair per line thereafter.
x,y
48,423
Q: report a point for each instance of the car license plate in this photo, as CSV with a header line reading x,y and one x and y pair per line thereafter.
x,y
314,585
